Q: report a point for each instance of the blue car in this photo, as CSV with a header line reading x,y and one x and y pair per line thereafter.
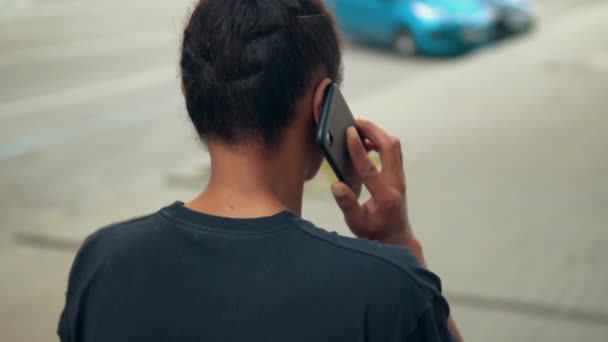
x,y
514,15
433,27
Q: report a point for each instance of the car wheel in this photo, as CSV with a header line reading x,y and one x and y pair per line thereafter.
x,y
404,43
500,29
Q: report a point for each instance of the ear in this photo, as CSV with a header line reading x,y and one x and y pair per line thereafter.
x,y
317,99
183,86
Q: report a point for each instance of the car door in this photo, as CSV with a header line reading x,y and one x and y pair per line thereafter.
x,y
363,18
375,17
346,15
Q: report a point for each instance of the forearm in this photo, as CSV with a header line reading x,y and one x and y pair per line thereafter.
x,y
454,329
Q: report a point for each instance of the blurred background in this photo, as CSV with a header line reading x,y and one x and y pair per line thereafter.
x,y
501,107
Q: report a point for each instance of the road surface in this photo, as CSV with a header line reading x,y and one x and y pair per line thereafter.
x,y
505,154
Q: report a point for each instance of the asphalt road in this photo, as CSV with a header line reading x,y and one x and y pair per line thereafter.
x,y
507,143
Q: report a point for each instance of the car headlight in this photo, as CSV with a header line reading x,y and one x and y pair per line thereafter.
x,y
425,11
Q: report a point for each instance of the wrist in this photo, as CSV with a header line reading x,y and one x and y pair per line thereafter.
x,y
409,241
416,248
403,237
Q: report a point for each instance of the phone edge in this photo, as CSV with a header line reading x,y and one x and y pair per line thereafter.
x,y
327,101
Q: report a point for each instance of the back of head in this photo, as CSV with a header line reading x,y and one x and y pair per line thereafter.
x,y
245,63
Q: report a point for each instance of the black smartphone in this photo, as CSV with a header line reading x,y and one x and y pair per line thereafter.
x,y
334,120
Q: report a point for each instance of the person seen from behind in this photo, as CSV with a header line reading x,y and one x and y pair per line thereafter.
x,y
238,263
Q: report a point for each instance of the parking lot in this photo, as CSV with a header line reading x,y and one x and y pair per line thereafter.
x,y
505,154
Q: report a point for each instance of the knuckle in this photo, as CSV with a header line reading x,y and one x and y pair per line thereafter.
x,y
342,200
391,201
401,188
369,171
357,151
394,142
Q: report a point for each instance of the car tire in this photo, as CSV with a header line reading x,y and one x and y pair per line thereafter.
x,y
404,43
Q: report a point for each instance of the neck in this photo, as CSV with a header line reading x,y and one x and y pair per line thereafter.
x,y
247,183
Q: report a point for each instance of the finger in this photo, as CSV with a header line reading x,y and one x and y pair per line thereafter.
x,y
363,165
401,163
373,133
370,146
389,148
347,201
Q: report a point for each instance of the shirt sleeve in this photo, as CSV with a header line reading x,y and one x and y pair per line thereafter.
x,y
64,329
432,325
61,328
85,266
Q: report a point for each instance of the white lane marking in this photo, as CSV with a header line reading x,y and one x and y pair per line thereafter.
x,y
16,3
88,47
70,9
43,104
106,122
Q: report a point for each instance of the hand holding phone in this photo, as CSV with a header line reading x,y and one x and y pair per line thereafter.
x,y
384,216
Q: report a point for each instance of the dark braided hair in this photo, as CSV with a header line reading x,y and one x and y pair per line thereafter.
x,y
245,63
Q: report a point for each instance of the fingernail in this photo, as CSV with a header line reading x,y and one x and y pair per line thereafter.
x,y
351,133
337,190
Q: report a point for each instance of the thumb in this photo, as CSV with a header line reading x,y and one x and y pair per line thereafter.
x,y
346,200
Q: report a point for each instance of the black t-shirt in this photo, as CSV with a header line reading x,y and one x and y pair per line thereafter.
x,y
179,275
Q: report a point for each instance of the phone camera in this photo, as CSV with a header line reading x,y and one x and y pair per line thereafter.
x,y
329,139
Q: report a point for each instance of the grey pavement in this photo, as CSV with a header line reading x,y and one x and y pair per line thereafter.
x,y
505,153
